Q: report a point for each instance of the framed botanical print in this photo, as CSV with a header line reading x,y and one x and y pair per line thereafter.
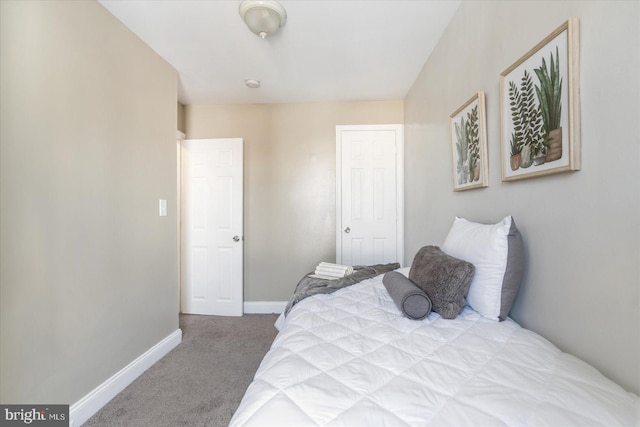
x,y
469,145
540,108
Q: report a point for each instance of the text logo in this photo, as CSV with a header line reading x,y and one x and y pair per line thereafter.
x,y
34,415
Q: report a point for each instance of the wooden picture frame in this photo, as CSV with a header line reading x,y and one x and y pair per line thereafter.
x,y
469,145
540,108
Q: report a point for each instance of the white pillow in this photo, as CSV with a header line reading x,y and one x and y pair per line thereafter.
x,y
497,253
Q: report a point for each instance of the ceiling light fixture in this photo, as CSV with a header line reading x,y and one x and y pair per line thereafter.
x,y
263,17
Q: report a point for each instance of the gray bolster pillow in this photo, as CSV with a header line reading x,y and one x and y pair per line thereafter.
x,y
412,301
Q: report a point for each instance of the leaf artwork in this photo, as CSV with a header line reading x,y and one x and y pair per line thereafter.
x,y
474,143
540,108
526,116
468,147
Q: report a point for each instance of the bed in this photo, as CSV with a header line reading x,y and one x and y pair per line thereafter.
x,y
353,358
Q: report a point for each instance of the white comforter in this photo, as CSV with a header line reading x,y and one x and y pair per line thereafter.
x,y
351,359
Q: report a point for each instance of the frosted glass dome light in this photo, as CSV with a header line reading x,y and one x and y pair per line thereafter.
x,y
263,17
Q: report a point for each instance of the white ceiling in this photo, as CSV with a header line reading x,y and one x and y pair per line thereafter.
x,y
328,50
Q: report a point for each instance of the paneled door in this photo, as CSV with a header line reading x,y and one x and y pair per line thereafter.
x,y
369,194
212,227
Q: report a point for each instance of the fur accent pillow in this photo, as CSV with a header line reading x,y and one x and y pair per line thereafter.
x,y
443,278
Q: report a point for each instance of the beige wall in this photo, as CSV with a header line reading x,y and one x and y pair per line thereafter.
x,y
581,229
289,182
88,269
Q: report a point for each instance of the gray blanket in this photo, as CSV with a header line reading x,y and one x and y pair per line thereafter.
x,y
308,286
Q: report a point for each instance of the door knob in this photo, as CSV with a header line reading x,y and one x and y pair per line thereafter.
x,y
347,230
236,238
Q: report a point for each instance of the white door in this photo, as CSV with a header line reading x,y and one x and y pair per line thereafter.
x,y
370,194
211,226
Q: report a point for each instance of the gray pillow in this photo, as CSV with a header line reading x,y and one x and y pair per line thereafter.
x,y
513,272
412,301
443,278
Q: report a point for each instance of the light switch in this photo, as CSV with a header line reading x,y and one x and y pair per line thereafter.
x,y
163,207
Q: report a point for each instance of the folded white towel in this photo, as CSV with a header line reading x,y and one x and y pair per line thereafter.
x,y
342,268
326,270
330,271
330,264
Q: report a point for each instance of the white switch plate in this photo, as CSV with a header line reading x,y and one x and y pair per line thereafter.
x,y
163,207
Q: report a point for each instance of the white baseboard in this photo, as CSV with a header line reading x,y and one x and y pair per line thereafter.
x,y
264,307
86,407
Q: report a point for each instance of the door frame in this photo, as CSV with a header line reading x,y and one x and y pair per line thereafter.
x,y
180,137
399,130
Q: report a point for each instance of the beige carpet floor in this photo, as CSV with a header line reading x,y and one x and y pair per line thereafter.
x,y
200,382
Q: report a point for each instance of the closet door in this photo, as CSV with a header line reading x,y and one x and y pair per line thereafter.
x,y
369,189
212,227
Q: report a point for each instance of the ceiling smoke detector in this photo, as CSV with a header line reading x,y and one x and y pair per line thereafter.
x,y
252,83
263,17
